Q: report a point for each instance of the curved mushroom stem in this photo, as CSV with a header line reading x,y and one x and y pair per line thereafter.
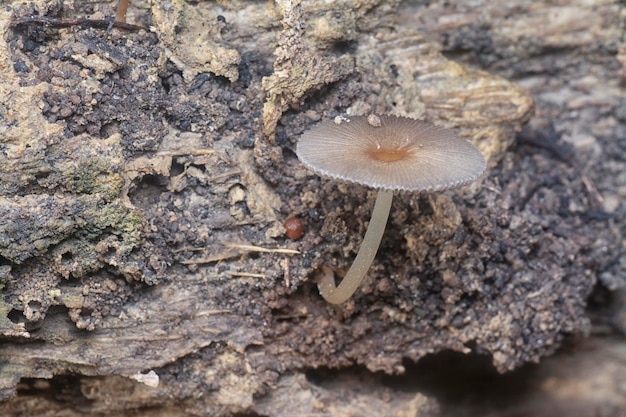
x,y
374,234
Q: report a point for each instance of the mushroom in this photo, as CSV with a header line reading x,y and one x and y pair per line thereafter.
x,y
387,153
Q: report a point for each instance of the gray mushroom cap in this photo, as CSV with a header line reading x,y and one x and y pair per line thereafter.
x,y
390,152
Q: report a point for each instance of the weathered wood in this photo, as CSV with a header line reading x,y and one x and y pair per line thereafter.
x,y
144,179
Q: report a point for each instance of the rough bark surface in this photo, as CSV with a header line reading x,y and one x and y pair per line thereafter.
x,y
145,177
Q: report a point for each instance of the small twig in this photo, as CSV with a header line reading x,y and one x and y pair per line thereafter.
x,y
66,23
211,330
245,274
220,177
213,312
108,339
286,272
251,248
492,189
188,249
184,152
238,250
211,259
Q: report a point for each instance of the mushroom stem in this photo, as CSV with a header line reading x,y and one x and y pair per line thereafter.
x,y
374,234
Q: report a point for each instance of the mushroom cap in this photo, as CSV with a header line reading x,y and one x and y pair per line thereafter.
x,y
390,152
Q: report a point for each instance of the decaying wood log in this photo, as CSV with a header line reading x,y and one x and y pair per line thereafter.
x,y
145,177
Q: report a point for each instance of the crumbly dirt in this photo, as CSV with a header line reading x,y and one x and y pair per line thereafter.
x,y
146,176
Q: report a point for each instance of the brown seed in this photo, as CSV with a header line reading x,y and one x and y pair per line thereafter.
x,y
294,227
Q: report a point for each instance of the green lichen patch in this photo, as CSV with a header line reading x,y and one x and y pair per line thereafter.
x,y
81,105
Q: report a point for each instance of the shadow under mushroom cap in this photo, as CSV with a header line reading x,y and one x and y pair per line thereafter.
x,y
395,153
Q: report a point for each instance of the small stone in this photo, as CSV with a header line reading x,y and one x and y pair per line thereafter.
x,y
340,119
373,120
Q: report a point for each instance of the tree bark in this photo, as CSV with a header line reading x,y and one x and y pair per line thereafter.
x,y
145,176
